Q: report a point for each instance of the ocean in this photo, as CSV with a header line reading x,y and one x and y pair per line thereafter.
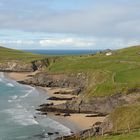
x,y
63,52
19,119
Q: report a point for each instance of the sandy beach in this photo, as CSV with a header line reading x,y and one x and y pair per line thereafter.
x,y
18,76
75,122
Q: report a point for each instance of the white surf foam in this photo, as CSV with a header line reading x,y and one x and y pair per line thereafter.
x,y
28,93
1,75
10,85
14,97
24,96
21,115
55,125
14,100
9,101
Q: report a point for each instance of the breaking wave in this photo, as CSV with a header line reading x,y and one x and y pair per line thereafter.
x,y
10,85
21,115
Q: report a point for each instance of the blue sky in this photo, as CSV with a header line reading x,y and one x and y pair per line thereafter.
x,y
69,24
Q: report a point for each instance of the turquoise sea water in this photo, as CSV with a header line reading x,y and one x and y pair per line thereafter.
x,y
17,110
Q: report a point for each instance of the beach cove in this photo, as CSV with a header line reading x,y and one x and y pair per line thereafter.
x,y
19,118
73,122
70,97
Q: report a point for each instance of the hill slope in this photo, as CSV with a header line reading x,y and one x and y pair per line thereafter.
x,y
20,61
11,54
106,74
129,136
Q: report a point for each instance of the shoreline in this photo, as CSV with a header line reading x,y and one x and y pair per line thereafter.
x,y
73,121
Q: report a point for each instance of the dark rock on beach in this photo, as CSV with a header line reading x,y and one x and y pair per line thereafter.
x,y
57,114
50,133
57,133
47,104
59,99
96,115
66,114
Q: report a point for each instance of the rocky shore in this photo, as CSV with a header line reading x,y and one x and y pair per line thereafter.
x,y
68,100
95,106
100,105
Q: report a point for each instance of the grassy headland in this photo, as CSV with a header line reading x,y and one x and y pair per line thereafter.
x,y
128,136
107,74
7,54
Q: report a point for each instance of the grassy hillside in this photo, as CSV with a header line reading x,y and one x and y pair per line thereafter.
x,y
130,136
126,117
107,74
7,54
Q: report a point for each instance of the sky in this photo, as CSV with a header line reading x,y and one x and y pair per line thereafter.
x,y
69,24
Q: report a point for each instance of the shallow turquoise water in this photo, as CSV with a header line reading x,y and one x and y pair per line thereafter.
x,y
17,110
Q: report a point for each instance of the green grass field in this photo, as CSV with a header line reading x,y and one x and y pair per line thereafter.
x,y
10,54
126,117
129,136
107,74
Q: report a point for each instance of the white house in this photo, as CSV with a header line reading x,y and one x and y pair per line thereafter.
x,y
108,53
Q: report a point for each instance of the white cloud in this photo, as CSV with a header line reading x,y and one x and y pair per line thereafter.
x,y
104,24
69,42
53,42
78,42
17,42
98,18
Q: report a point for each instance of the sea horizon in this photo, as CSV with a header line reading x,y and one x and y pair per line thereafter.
x,y
63,52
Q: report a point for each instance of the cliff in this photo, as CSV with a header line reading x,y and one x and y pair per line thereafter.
x,y
19,66
77,82
20,61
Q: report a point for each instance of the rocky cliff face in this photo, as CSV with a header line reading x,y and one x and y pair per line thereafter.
x,y
77,82
18,66
100,105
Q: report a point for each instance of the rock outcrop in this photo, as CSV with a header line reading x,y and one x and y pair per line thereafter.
x,y
15,66
98,105
19,66
77,82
